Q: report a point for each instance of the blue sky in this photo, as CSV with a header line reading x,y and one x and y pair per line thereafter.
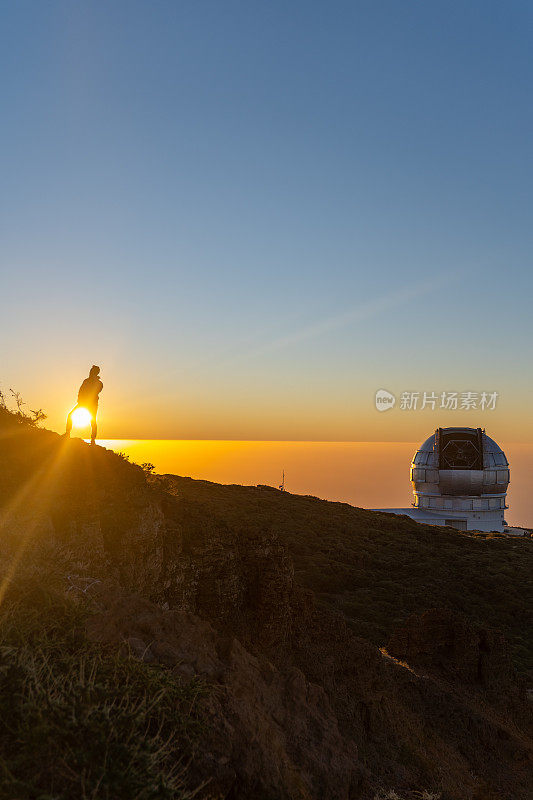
x,y
254,215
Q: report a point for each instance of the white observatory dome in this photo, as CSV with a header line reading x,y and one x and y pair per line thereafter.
x,y
461,473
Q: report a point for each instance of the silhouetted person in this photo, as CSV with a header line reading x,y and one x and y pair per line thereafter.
x,y
88,398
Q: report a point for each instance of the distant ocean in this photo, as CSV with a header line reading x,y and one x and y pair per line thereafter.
x,y
366,474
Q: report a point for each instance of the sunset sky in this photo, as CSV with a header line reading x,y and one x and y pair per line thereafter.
x,y
254,215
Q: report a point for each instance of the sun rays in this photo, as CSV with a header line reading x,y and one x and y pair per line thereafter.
x,y
31,500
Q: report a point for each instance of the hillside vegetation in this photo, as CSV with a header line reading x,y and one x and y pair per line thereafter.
x,y
168,638
378,569
79,720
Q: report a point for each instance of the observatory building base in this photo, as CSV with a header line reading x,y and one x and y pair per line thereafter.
x,y
462,522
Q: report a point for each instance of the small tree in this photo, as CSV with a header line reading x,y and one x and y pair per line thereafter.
x,y
19,402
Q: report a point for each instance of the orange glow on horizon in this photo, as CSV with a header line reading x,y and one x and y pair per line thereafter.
x,y
365,474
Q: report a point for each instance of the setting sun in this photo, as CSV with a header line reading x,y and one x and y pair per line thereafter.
x,y
81,418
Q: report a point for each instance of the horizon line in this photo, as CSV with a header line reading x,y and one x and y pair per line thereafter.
x,y
275,441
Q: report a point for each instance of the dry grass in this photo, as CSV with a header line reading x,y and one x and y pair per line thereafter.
x,y
80,721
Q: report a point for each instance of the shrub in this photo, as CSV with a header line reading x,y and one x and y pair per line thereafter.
x,y
35,416
83,722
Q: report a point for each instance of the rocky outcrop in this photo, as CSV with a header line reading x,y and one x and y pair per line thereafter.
x,y
414,729
442,642
268,732
238,580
